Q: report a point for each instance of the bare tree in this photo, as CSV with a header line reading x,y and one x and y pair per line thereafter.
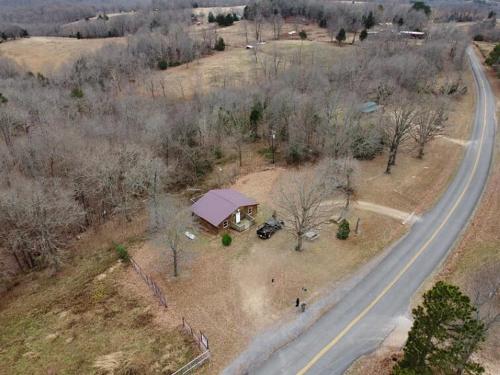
x,y
36,222
484,289
277,22
398,128
258,22
302,200
347,170
169,220
429,123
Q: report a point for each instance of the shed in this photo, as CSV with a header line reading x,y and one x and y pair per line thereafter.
x,y
221,209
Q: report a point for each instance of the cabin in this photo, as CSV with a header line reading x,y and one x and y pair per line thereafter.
x,y
222,209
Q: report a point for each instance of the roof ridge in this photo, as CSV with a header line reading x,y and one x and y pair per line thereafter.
x,y
215,191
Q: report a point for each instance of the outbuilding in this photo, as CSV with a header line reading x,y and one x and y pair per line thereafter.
x,y
221,209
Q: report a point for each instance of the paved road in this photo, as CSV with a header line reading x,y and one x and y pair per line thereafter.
x,y
360,321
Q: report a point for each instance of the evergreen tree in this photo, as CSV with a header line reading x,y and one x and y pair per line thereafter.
x,y
228,20
162,64
421,6
444,335
341,36
211,17
78,35
344,230
220,45
363,35
368,21
303,35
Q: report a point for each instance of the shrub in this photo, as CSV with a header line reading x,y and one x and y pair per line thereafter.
x,y
341,36
3,99
77,93
220,45
226,239
122,253
363,35
422,6
494,56
162,65
303,35
366,146
296,154
344,230
211,17
478,38
218,153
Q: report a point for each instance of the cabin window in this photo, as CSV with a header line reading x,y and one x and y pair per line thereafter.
x,y
225,224
250,210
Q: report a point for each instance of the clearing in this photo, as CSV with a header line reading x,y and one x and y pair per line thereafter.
x,y
41,54
237,67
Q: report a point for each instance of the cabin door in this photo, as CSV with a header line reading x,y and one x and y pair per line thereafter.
x,y
238,217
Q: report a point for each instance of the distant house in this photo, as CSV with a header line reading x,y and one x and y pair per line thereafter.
x,y
222,209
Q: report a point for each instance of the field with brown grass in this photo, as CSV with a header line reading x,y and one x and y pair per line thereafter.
x,y
48,54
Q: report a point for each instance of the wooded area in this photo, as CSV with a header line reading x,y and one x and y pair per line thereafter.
x,y
90,140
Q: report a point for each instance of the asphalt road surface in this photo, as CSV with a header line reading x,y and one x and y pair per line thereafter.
x,y
365,316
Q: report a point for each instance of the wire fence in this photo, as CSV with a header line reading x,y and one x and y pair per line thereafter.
x,y
200,339
194,364
150,282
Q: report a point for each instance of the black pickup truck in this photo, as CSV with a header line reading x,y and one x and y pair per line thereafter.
x,y
267,229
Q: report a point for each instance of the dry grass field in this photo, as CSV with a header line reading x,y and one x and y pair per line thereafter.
x,y
47,54
83,321
236,67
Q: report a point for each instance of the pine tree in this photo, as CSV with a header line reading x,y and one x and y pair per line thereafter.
x,y
420,5
444,335
369,21
344,230
341,36
363,35
220,45
211,17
